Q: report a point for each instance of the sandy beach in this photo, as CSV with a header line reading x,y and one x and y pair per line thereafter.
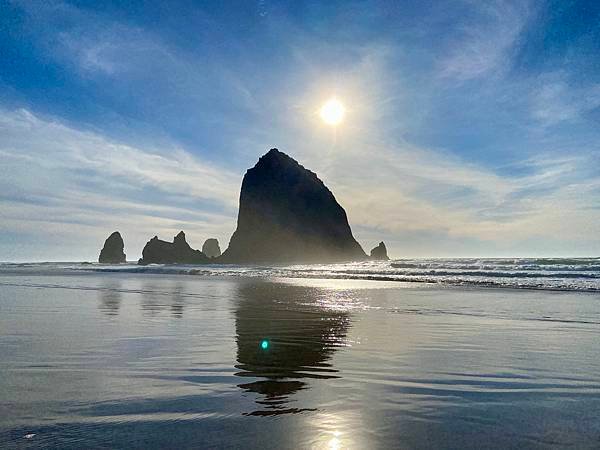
x,y
90,360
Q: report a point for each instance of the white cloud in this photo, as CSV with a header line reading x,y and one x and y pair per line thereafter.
x,y
391,192
554,101
485,43
79,184
53,145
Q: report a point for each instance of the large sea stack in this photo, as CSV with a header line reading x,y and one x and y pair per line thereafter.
x,y
286,215
112,252
176,252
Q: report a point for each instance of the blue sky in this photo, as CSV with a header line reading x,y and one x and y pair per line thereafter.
x,y
472,128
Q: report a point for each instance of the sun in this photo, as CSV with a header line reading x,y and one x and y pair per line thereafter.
x,y
332,112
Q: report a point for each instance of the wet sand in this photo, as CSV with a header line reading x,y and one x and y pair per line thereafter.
x,y
154,361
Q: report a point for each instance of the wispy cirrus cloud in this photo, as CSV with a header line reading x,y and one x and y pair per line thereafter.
x,y
424,201
79,183
555,100
423,198
485,39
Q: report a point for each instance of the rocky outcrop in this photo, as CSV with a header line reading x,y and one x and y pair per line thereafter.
x,y
379,253
211,248
112,252
287,214
176,252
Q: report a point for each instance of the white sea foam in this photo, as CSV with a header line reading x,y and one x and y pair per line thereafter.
x,y
570,274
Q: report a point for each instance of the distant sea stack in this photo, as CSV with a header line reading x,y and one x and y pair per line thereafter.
x,y
211,248
176,252
112,252
287,214
379,253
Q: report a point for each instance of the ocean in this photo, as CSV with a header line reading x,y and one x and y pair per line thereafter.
x,y
423,353
565,274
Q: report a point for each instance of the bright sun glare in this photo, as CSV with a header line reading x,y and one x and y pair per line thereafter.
x,y
332,112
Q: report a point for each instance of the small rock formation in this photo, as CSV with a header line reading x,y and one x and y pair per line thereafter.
x,y
379,253
112,252
176,252
287,214
211,248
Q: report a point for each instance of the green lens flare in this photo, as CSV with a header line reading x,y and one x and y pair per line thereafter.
x,y
264,344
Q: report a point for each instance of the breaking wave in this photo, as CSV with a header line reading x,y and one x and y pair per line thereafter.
x,y
568,274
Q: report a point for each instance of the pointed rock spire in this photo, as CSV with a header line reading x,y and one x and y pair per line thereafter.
x,y
287,214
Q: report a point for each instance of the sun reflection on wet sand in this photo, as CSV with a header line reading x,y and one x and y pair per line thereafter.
x,y
333,431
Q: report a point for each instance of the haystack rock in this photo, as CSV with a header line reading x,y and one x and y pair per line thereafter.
x,y
211,248
176,252
379,253
112,252
287,214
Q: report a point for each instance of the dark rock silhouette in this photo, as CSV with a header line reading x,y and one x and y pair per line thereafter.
x,y
211,248
380,253
112,252
287,214
176,252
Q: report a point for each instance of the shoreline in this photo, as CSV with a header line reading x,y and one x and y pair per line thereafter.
x,y
547,275
377,281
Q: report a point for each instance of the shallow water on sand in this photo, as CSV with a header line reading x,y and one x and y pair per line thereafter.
x,y
110,360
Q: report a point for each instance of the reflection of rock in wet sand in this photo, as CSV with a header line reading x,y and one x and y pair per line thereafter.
x,y
110,299
285,337
157,298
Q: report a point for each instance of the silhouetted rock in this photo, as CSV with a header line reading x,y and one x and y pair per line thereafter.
x,y
211,248
287,214
112,252
176,252
380,252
